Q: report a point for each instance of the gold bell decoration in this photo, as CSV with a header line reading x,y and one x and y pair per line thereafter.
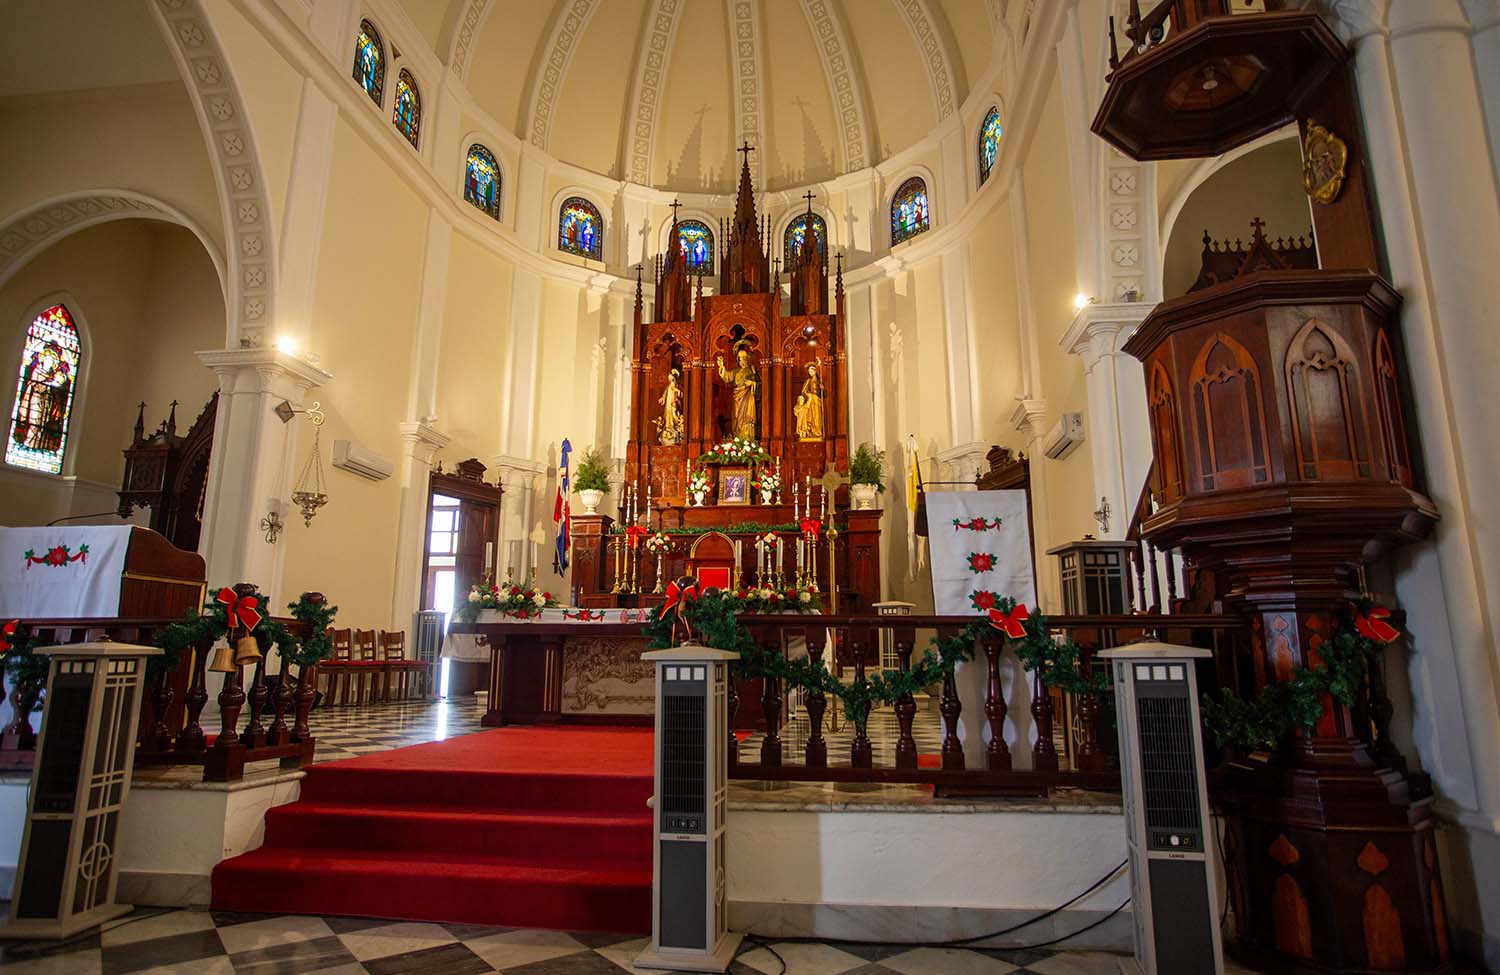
x,y
243,617
246,650
222,661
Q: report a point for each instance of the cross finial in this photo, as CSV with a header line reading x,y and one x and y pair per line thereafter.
x,y
1258,225
675,205
808,196
747,148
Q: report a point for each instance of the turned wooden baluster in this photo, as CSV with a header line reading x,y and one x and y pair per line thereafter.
x,y
160,739
231,700
950,709
255,732
1171,582
307,691
1138,557
770,705
730,741
861,754
1155,580
19,735
998,753
191,737
906,713
278,733
1091,755
1043,752
817,705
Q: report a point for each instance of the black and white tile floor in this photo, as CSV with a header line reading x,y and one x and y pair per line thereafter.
x,y
348,732
218,943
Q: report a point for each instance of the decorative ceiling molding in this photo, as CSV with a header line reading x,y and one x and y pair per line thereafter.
x,y
466,30
250,258
645,94
934,52
749,91
567,29
845,86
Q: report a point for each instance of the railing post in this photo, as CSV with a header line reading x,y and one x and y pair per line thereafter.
x,y
817,704
770,705
998,752
906,712
191,738
861,754
160,738
1171,583
1155,580
951,708
1139,558
255,732
1043,752
1091,757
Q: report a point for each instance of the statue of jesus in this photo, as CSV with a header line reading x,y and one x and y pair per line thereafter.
x,y
745,381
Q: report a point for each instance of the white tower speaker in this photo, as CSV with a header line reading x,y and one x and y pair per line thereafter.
x,y
1168,830
689,918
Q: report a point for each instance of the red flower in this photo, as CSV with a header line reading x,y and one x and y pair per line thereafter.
x,y
6,632
547,596
982,599
58,556
981,561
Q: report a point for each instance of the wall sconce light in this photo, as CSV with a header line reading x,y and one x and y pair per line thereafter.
x,y
274,523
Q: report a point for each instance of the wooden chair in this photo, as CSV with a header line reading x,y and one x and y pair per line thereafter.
x,y
339,668
711,560
367,664
397,669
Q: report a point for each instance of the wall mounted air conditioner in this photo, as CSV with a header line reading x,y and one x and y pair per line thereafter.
x,y
1065,436
350,456
1168,833
689,915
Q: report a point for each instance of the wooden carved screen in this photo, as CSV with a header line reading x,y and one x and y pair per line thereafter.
x,y
1228,416
1163,407
1328,428
1392,422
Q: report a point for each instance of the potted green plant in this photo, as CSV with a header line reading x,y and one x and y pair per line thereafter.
x,y
591,480
866,476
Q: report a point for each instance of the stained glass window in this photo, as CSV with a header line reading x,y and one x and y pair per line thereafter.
x,y
408,114
44,393
796,235
579,229
697,244
369,61
482,180
989,144
909,215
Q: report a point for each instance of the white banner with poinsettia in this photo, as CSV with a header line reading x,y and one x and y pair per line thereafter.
x,y
981,550
62,572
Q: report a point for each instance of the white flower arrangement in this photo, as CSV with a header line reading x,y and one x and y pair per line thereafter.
x,y
658,542
698,480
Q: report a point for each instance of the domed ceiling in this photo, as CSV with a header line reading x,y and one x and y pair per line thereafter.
x,y
659,92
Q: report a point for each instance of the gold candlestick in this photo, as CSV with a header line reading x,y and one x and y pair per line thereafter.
x,y
616,545
659,587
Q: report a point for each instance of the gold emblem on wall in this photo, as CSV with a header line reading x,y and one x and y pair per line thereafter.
x,y
1324,158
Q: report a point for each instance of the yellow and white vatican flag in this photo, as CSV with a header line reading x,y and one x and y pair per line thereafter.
x,y
916,548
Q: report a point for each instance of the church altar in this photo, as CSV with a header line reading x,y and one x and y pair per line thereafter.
x,y
739,430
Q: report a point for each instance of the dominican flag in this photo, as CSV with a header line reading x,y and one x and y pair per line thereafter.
x,y
560,516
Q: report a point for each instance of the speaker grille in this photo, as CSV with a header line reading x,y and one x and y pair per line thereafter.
x,y
1167,762
682,757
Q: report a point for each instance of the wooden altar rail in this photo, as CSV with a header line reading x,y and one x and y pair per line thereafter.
x,y
224,758
1090,768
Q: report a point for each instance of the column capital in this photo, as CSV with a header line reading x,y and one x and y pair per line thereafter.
x,y
422,441
263,370
518,472
1100,329
1029,417
963,459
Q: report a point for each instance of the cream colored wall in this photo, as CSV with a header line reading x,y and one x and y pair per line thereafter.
x,y
149,297
698,78
592,90
499,83
1266,183
141,137
476,330
803,140
997,338
364,313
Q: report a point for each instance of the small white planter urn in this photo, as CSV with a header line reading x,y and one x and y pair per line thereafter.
x,y
863,495
591,499
698,498
765,497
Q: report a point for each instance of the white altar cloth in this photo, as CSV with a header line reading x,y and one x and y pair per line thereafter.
x,y
62,572
474,646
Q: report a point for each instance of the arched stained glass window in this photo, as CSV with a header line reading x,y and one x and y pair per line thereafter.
x,y
482,180
44,393
796,236
697,244
579,229
408,114
989,144
909,214
369,61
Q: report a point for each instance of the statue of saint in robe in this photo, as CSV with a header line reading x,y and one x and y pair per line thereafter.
x,y
745,381
809,408
670,424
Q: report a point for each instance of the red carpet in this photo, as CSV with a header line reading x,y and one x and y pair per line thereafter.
x,y
518,827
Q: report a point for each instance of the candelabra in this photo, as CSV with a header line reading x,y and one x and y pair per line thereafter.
x,y
618,587
659,587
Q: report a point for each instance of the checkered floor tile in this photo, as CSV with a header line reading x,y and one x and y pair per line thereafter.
x,y
219,943
347,732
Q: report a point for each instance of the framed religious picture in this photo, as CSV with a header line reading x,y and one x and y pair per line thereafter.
x,y
734,485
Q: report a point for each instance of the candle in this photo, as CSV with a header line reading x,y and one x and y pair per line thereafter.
x,y
648,504
489,557
822,502
796,505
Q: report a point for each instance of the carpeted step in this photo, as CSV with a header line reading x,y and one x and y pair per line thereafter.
x,y
470,890
562,839
344,782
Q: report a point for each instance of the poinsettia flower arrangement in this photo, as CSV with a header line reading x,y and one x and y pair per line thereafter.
x,y
658,542
801,598
736,450
519,600
768,481
982,600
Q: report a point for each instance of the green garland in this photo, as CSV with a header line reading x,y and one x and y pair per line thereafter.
x,y
211,625
713,618
317,617
740,528
23,665
1297,702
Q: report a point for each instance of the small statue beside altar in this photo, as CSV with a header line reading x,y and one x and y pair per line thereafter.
x,y
746,384
669,424
809,408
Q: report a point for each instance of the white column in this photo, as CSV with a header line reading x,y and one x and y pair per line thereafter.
x,y
1030,420
1485,17
958,337
252,465
419,446
302,219
518,385
1118,431
520,515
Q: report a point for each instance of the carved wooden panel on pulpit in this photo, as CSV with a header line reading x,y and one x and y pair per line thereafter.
x,y
1329,429
1392,417
1163,407
1228,416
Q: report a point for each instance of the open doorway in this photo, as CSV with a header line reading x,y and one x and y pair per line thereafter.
x,y
463,520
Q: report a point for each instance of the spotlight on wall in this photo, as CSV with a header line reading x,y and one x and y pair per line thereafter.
x,y
1081,301
287,344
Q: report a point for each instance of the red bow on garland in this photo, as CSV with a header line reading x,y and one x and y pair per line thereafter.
x,y
1013,623
1373,625
679,596
240,609
6,632
811,528
634,534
